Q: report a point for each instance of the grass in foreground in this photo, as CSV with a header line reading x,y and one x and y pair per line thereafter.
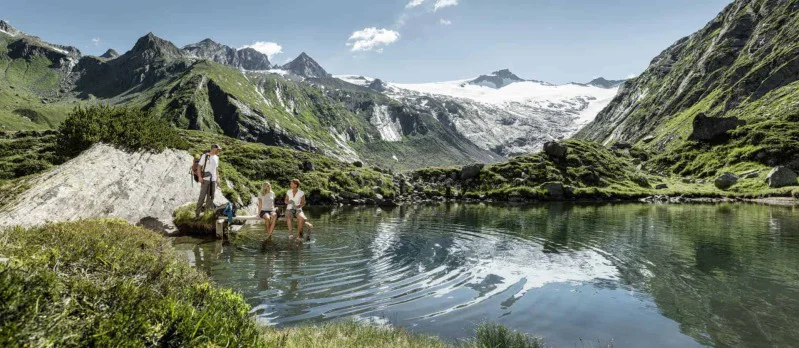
x,y
109,283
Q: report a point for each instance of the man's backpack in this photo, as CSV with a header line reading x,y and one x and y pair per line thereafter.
x,y
196,164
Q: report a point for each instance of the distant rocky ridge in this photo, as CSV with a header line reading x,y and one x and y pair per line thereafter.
x,y
245,58
497,79
305,66
110,54
604,83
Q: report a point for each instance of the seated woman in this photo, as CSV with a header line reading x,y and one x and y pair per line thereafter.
x,y
266,208
295,200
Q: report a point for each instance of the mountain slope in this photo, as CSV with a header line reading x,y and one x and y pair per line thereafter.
x,y
33,80
212,87
742,64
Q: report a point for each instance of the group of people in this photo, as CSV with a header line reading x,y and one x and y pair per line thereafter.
x,y
207,172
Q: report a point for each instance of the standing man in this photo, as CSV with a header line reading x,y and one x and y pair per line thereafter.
x,y
208,174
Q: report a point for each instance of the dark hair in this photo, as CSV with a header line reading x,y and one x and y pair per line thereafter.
x,y
296,181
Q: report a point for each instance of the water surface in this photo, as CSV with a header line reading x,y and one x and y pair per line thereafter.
x,y
628,274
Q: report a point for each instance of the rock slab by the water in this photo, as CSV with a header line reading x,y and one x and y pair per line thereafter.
x,y
106,182
780,177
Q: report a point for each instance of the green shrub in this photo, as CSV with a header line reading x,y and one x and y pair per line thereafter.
x,y
109,283
31,166
125,128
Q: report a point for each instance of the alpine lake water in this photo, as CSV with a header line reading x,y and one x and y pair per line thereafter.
x,y
585,275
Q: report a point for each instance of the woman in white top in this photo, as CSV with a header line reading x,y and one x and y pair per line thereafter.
x,y
295,200
266,208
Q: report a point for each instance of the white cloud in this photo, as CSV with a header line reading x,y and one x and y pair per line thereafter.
x,y
414,3
270,49
96,41
444,3
369,39
445,21
630,76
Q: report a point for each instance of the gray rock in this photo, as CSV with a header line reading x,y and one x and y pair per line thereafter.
x,y
781,176
471,171
554,189
358,164
648,138
93,186
661,186
713,128
555,149
725,181
307,166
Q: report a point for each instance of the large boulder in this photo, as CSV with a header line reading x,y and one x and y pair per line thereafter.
x,y
725,181
471,171
555,149
713,128
554,189
781,176
307,166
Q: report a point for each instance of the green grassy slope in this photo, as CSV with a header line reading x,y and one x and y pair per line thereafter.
x,y
744,64
29,91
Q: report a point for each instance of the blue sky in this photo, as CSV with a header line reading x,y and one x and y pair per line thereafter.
x,y
396,40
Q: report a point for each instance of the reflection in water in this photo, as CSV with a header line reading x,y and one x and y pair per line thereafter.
x,y
631,274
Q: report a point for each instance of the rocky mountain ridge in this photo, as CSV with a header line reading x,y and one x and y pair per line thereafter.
x,y
743,64
208,86
216,88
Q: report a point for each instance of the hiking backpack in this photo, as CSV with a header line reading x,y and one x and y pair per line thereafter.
x,y
196,163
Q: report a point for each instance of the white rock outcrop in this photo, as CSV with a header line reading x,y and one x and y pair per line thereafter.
x,y
103,181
